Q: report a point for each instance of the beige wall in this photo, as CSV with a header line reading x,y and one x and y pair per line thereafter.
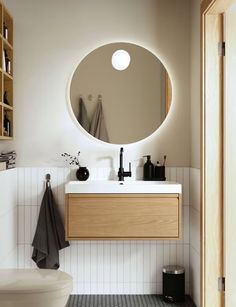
x,y
195,209
8,219
51,38
133,100
195,83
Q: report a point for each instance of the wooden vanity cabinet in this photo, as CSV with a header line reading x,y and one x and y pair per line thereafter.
x,y
123,216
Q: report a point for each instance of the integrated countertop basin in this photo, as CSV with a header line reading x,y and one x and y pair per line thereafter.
x,y
129,186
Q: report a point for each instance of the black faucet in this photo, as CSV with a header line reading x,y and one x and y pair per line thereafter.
x,y
121,172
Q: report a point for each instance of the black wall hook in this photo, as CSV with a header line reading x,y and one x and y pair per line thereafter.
x,y
48,178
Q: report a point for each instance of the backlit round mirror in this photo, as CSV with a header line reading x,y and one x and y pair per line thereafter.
x,y
120,93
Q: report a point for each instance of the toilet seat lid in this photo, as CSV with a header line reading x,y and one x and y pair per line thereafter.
x,y
33,280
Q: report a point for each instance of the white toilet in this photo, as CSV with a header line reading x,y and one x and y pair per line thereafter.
x,y
34,288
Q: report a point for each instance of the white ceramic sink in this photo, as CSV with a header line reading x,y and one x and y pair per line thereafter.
x,y
132,186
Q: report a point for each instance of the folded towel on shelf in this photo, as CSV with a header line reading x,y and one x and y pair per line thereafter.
x,y
9,157
6,153
10,166
3,166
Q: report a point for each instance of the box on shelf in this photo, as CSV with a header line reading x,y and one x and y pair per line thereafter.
x,y
3,166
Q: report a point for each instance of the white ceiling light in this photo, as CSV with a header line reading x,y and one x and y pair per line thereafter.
x,y
120,59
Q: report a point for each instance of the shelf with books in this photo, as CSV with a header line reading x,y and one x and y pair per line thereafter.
x,y
6,74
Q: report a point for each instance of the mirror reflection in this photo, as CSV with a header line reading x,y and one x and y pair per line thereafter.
x,y
120,106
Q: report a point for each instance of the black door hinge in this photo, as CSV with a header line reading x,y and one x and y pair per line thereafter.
x,y
221,49
221,284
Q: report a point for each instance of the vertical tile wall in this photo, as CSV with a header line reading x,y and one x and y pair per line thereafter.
x,y
101,267
195,235
8,219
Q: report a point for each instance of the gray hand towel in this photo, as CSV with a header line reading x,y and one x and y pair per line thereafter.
x,y
98,127
50,234
83,116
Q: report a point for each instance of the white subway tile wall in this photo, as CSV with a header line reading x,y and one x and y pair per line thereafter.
x,y
101,267
8,219
195,235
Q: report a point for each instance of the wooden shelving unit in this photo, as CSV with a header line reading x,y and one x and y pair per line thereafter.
x,y
6,74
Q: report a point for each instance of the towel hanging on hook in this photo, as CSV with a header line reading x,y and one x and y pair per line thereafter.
x,y
83,116
98,126
49,236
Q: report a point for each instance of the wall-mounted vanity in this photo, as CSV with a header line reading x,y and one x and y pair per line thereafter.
x,y
112,210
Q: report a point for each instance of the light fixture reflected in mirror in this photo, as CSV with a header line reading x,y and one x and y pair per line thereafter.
x,y
120,59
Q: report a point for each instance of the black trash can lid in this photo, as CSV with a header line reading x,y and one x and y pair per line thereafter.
x,y
173,269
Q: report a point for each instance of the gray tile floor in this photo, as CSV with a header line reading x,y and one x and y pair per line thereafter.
x,y
123,301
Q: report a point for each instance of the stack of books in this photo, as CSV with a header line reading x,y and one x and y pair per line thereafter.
x,y
8,159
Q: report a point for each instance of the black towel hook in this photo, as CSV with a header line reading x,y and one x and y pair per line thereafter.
x,y
99,98
48,178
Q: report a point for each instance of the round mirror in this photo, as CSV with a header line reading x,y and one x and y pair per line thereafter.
x,y
124,102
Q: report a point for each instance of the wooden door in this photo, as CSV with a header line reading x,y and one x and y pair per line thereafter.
x,y
212,162
218,152
230,156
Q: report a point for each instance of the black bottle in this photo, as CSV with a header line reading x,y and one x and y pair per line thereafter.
x,y
7,62
5,100
7,126
5,31
148,169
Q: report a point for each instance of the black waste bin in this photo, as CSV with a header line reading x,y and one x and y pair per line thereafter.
x,y
173,283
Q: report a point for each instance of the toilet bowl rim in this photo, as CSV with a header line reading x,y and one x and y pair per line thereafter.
x,y
14,285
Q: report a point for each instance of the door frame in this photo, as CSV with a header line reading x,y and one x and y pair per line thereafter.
x,y
212,152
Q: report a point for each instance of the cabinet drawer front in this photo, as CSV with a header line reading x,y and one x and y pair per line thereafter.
x,y
136,217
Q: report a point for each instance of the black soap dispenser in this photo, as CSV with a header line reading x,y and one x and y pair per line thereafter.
x,y
148,169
